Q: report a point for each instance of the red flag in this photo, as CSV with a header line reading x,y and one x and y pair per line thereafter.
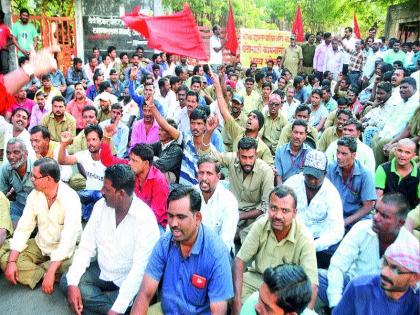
x,y
175,34
232,40
356,28
297,27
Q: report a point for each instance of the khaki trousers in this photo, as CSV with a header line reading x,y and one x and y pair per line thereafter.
x,y
31,264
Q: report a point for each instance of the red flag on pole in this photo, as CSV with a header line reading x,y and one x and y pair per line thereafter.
x,y
232,40
175,34
297,27
356,28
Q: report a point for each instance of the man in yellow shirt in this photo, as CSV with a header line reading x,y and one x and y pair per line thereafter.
x,y
55,209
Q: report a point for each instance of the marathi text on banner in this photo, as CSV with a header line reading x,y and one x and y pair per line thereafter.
x,y
258,45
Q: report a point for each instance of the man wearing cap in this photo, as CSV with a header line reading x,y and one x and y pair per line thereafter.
x,y
104,111
236,107
393,291
293,57
361,250
319,204
274,122
254,124
117,86
290,157
353,181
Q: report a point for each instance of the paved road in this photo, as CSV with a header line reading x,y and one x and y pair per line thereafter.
x,y
21,300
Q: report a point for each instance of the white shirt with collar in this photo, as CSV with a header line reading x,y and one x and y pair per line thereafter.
x,y
24,136
220,213
168,102
323,216
357,255
123,251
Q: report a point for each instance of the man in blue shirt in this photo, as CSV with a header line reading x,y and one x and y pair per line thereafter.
x,y
353,181
191,260
394,291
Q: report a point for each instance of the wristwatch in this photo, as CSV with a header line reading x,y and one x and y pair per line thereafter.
x,y
28,69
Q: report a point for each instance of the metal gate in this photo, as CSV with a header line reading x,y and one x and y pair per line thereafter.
x,y
57,30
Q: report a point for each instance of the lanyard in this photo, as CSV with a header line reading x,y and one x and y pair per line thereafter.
x,y
293,159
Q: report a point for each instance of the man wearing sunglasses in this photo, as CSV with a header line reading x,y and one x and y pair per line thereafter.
x,y
394,290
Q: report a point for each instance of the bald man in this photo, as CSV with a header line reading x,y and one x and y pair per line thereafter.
x,y
401,174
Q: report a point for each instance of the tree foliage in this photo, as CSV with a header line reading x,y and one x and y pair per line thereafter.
x,y
318,15
52,7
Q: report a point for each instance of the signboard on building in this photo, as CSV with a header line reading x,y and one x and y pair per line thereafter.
x,y
260,45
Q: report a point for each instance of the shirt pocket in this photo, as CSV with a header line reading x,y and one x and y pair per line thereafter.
x,y
195,295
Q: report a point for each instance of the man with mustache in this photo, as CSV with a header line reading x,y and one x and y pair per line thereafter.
x,y
361,250
319,205
58,120
353,181
191,262
17,129
15,176
393,291
274,239
91,166
76,105
219,206
290,157
333,133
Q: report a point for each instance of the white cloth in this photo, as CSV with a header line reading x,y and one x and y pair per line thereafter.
x,y
24,136
168,102
216,58
289,109
221,214
357,255
364,154
323,216
403,113
95,170
350,44
334,62
59,227
123,251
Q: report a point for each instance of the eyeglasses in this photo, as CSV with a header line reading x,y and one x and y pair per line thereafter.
x,y
36,178
274,104
395,270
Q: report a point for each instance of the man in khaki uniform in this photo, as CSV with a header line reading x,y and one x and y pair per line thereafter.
x,y
274,239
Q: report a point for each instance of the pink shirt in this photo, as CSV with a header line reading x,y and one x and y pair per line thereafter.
x,y
75,110
27,104
139,134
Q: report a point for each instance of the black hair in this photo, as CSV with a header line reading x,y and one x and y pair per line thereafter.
x,y
199,114
209,159
399,201
90,107
291,286
246,143
110,49
303,108
77,61
58,98
354,121
179,191
193,93
24,10
409,80
20,109
121,177
348,142
385,86
48,167
346,112
44,131
284,191
104,85
300,122
144,151
93,128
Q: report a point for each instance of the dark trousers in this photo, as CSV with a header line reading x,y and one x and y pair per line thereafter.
x,y
4,61
98,295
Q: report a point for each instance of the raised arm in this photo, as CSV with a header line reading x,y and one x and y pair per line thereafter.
x,y
224,110
173,132
63,158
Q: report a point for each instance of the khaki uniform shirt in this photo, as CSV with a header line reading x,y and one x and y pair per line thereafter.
x,y
5,220
227,139
262,247
286,134
272,130
56,128
328,136
237,132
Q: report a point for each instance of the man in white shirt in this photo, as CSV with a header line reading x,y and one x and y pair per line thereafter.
x,y
165,96
216,49
121,232
219,206
319,205
348,41
361,250
54,208
89,164
364,154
